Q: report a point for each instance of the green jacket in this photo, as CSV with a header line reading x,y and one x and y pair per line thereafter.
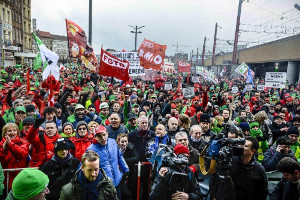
x,y
73,190
103,119
9,115
67,136
1,180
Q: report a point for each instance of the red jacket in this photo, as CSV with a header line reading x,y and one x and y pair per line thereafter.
x,y
42,151
15,156
159,82
81,144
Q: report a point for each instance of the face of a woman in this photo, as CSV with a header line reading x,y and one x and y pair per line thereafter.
x,y
12,132
92,128
123,143
68,130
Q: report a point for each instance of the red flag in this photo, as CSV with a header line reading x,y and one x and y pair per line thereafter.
x,y
28,80
50,97
183,67
113,66
151,55
179,83
79,47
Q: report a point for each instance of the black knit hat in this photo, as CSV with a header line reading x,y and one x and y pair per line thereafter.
x,y
28,120
30,108
63,143
293,130
57,105
204,118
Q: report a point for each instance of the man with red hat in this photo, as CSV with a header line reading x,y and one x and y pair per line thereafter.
x,y
185,188
111,159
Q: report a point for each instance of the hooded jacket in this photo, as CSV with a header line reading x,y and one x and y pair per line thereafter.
x,y
81,144
111,159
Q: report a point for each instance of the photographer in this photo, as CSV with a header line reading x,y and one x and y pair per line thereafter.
x,y
185,189
281,149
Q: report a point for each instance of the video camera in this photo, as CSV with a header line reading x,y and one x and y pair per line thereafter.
x,y
174,177
221,150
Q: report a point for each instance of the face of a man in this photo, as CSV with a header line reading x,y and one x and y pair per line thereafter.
x,y
197,132
182,140
49,116
116,107
104,111
102,137
291,177
26,102
132,122
135,110
204,126
282,115
247,148
278,121
80,112
115,120
293,137
173,124
160,130
143,124
27,127
90,169
50,129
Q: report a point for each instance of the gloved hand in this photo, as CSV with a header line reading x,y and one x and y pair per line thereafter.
x,y
38,122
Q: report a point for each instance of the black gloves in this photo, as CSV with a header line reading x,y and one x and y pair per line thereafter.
x,y
38,122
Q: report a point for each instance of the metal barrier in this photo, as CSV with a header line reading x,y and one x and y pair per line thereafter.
x,y
12,170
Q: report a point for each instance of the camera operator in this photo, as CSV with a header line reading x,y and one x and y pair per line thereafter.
x,y
169,187
248,176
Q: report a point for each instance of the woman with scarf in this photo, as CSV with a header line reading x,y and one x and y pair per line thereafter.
x,y
82,139
61,168
13,151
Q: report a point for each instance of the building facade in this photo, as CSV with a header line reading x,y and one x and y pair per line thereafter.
x,y
60,47
17,23
27,37
46,38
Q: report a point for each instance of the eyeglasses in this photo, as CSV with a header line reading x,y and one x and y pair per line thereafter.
x,y
21,113
81,129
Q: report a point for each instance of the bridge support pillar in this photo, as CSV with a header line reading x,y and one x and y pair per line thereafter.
x,y
292,72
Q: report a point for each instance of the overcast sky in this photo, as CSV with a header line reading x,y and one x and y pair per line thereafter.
x,y
169,21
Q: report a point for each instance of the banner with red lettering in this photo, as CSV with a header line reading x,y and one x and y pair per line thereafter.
x,y
184,67
151,55
112,66
79,46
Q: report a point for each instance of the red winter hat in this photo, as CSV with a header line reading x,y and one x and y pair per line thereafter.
x,y
73,101
173,105
253,99
289,99
99,129
179,149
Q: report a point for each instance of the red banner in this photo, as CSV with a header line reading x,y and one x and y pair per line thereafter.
x,y
151,55
113,66
183,67
79,47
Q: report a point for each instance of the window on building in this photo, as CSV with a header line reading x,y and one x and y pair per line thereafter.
x,y
29,28
8,16
24,13
28,14
3,13
20,18
12,15
25,27
25,41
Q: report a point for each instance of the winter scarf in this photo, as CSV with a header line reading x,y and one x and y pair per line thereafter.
x,y
89,188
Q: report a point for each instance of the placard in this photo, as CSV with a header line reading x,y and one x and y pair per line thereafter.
x,y
249,87
243,70
260,87
275,79
234,89
168,86
195,79
188,92
132,57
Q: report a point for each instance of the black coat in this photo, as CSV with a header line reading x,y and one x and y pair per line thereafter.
x,y
131,157
140,143
275,128
54,170
285,190
250,180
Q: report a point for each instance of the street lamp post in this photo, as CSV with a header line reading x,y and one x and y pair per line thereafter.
x,y
136,32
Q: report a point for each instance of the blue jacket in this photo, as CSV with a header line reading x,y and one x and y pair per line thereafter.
x,y
113,133
111,160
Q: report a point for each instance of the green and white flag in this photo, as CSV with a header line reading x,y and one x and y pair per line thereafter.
x,y
48,58
38,63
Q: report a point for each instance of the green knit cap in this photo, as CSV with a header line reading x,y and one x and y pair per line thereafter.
x,y
253,124
28,183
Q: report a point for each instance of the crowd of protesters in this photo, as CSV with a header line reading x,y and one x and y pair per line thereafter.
x,y
88,144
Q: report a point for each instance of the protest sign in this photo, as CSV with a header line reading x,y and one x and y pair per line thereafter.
x,y
132,57
168,86
234,89
260,87
249,87
195,79
275,79
183,67
188,92
168,67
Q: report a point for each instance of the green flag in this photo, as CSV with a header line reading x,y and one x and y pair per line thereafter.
x,y
38,62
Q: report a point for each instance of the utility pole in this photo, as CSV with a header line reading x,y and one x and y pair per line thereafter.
x,y
237,30
192,58
136,28
179,45
197,57
214,47
203,51
90,21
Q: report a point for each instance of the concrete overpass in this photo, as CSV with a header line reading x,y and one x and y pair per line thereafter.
x,y
263,57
